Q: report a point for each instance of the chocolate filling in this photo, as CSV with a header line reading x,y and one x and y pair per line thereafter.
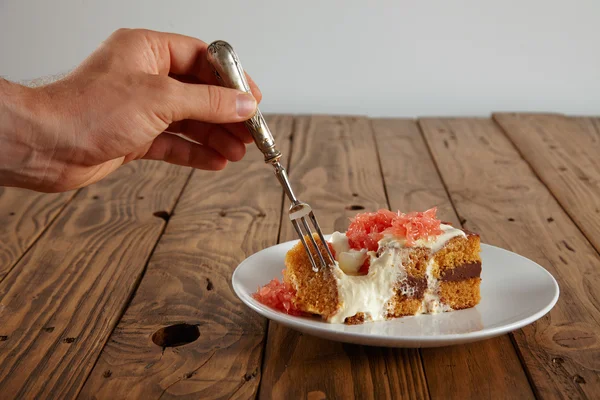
x,y
417,285
462,272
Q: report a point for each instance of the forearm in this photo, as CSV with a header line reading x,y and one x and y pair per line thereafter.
x,y
19,121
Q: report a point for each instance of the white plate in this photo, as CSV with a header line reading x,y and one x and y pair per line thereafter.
x,y
515,292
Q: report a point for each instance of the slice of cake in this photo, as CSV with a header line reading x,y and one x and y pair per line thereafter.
x,y
388,265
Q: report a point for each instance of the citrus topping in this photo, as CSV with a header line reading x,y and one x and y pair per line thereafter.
x,y
416,225
278,295
367,229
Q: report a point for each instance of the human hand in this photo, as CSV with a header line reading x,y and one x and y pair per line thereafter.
x,y
120,105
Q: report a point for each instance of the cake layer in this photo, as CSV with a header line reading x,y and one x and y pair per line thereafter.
x,y
456,253
358,319
404,307
316,292
460,294
415,286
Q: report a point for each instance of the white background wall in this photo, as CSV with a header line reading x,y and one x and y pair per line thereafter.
x,y
395,58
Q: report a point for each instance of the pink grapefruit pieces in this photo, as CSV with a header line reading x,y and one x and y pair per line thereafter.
x,y
278,295
367,229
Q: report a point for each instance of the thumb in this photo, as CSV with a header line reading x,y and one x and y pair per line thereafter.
x,y
208,103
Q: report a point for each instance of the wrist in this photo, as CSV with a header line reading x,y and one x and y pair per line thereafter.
x,y
18,128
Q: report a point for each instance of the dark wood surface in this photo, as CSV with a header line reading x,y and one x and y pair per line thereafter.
x,y
24,215
333,166
62,300
188,281
413,182
498,195
90,279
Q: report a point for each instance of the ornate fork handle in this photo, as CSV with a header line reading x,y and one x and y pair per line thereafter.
x,y
229,72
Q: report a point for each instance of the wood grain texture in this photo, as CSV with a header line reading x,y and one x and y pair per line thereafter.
x,y
502,199
219,221
334,167
411,179
590,125
414,184
24,215
565,154
63,299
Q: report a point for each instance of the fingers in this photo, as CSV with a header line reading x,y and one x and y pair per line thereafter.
x,y
176,101
254,88
238,130
194,79
185,55
214,136
176,150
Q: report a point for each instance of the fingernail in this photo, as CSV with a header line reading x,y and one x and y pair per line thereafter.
x,y
246,105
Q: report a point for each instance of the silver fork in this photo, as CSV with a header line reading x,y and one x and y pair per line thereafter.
x,y
229,72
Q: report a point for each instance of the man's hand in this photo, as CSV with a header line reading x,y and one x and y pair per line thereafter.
x,y
122,103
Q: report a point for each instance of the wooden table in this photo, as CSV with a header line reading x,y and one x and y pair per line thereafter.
x,y
87,277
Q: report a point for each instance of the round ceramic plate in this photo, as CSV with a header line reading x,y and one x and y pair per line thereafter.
x,y
515,292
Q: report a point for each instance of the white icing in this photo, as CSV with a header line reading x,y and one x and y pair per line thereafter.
x,y
349,260
434,243
339,242
370,294
432,304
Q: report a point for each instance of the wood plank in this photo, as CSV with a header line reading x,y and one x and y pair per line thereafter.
x,y
589,124
220,220
411,180
564,153
63,299
24,216
413,183
334,167
496,191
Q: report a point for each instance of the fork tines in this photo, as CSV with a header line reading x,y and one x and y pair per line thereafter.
x,y
298,215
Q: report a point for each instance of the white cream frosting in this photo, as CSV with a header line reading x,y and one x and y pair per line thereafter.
x,y
434,243
349,260
432,304
371,293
